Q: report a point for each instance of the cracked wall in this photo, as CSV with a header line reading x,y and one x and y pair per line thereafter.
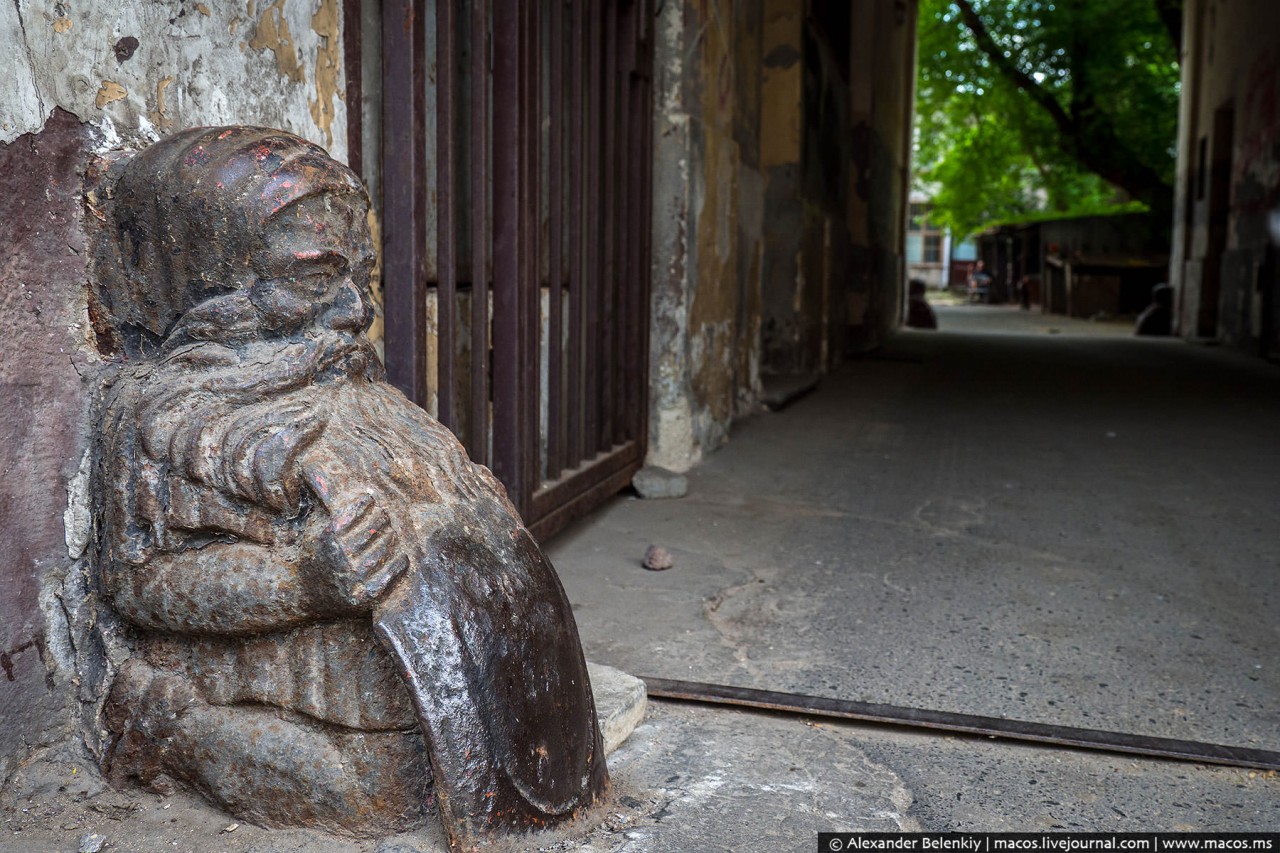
x,y
836,136
47,368
82,78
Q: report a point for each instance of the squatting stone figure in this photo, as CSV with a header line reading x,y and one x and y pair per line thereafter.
x,y
337,618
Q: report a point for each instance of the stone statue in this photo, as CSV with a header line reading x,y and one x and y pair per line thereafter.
x,y
338,620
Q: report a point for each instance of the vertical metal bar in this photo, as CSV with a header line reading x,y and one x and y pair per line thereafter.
x,y
479,142
577,127
529,361
404,234
609,217
507,260
631,366
645,229
555,234
625,227
446,203
592,280
353,61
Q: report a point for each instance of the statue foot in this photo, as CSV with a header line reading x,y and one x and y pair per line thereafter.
x,y
264,765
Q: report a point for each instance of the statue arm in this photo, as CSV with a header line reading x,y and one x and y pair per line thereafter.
x,y
222,588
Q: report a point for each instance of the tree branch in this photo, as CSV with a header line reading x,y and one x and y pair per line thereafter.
x,y
1010,70
1085,130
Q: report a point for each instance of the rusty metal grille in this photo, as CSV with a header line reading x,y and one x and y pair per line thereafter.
x,y
516,205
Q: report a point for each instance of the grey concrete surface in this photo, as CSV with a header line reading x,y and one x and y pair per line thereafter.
x,y
1018,516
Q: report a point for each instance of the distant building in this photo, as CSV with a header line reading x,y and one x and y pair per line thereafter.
x,y
964,257
1081,266
928,246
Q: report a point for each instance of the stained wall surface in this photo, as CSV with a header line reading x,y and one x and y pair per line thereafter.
x,y
80,79
708,226
1224,263
781,138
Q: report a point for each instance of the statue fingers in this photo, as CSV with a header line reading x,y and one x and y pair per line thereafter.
x,y
367,550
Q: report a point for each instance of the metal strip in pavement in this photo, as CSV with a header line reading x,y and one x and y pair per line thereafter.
x,y
970,724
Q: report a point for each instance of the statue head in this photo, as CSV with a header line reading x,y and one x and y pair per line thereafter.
x,y
233,234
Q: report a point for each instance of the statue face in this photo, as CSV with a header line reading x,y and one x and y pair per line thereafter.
x,y
312,267
230,235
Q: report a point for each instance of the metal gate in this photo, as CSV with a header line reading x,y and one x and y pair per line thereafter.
x,y
516,205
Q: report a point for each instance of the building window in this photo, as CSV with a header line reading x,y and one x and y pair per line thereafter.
x,y
933,248
916,213
915,249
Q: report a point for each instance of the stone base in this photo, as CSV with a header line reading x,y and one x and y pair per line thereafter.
x,y
620,703
780,390
652,482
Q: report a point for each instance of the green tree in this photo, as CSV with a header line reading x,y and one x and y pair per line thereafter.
x,y
1059,105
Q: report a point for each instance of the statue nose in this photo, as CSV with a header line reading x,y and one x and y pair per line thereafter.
x,y
350,311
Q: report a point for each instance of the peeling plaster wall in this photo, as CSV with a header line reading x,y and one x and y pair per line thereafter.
x,y
882,90
779,200
46,379
82,78
788,288
1225,268
137,69
708,221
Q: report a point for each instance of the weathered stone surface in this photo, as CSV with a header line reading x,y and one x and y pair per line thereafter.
x,y
43,423
338,619
653,482
92,843
621,700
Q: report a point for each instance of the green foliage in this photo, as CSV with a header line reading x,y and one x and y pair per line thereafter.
x,y
1077,111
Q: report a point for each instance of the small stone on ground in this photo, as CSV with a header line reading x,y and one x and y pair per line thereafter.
x,y
657,559
92,843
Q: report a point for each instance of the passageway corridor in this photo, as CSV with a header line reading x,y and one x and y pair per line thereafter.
x,y
1019,516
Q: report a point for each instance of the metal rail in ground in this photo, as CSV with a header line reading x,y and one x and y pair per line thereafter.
x,y
970,724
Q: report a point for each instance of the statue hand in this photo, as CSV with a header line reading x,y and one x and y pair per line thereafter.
x,y
360,549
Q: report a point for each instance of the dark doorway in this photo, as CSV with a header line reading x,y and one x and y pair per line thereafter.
x,y
1219,210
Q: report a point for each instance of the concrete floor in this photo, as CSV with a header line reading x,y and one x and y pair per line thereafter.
x,y
1017,516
